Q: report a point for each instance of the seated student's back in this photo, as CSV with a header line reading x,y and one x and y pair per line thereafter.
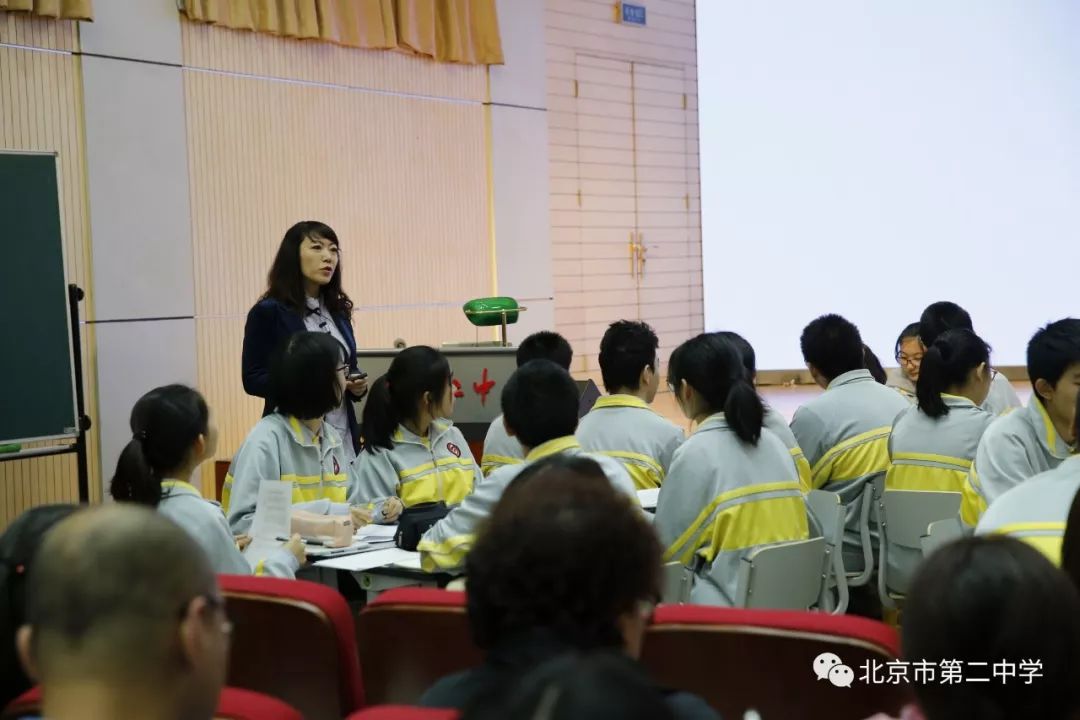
x,y
844,432
733,486
172,434
411,448
622,425
540,401
1036,510
499,447
1038,437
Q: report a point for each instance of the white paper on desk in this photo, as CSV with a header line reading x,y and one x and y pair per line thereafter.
x,y
648,498
390,557
375,533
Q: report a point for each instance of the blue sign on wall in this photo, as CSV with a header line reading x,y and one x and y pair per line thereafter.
x,y
633,14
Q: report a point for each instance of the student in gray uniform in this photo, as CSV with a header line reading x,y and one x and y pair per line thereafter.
x,y
773,421
172,435
908,355
1037,509
844,432
499,448
540,402
941,316
933,445
622,425
733,486
1038,437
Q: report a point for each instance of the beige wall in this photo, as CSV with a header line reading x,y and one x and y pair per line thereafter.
x,y
40,109
623,141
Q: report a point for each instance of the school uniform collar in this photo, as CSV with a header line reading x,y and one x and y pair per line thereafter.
x,y
617,401
179,487
716,421
553,447
1048,435
850,377
957,401
304,436
438,427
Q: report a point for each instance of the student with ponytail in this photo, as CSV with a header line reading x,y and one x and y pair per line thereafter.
x,y
933,445
171,436
411,448
308,377
733,485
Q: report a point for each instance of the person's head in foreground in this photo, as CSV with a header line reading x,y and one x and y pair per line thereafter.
x,y
831,346
994,599
909,352
540,404
628,361
124,619
564,558
597,686
1053,364
707,375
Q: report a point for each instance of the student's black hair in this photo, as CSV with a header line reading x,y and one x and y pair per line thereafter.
x,y
304,375
627,348
540,403
1052,350
713,366
545,345
396,396
941,316
911,331
604,684
285,281
832,345
18,547
1070,544
870,360
948,361
534,573
746,351
165,423
994,599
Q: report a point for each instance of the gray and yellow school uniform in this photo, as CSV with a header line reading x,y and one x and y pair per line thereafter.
x,y
1015,447
280,447
439,467
445,545
931,455
499,448
723,499
205,522
775,422
625,428
844,433
1002,397
1036,510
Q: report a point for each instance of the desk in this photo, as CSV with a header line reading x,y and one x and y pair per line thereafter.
x,y
380,570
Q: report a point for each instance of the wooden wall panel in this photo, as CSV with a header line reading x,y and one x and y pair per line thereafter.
x,y
41,109
401,176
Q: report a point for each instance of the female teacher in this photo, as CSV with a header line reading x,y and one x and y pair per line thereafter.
x,y
304,293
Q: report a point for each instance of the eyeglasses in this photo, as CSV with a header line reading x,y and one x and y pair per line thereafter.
x,y
909,359
344,369
993,374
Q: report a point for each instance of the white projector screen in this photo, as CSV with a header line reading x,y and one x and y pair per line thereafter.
x,y
868,158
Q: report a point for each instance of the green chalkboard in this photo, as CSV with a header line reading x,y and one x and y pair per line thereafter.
x,y
37,390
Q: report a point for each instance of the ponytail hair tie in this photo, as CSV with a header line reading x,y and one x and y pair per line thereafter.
x,y
141,435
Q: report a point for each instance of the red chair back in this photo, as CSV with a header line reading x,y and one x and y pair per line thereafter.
x,y
411,637
404,712
764,660
294,640
233,704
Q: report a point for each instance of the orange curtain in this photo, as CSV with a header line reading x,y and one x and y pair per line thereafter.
x,y
455,31
65,9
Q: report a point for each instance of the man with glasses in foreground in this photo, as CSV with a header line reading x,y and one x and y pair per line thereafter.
x,y
124,619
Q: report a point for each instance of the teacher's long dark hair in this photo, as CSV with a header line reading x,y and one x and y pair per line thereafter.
x,y
165,424
285,281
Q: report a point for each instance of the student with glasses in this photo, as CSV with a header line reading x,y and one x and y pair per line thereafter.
x,y
296,443
908,354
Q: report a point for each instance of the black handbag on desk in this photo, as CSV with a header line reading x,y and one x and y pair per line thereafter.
x,y
415,521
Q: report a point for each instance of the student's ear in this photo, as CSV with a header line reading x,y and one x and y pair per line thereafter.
x,y
192,631
981,372
1044,389
509,430
24,640
199,448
